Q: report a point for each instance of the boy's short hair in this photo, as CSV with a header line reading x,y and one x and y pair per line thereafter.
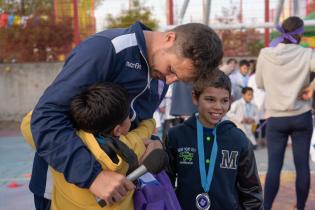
x,y
201,44
216,79
230,60
245,89
244,63
100,108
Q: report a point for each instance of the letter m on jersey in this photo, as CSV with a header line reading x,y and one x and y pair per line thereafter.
x,y
229,159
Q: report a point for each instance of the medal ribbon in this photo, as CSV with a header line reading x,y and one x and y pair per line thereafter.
x,y
206,179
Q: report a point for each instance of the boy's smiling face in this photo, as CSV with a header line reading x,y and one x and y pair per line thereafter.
x,y
212,104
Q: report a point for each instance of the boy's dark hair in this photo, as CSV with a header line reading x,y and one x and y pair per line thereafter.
x,y
244,63
216,79
201,44
100,108
231,60
245,89
289,25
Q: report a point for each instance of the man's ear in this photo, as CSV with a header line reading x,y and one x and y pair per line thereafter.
x,y
170,38
117,131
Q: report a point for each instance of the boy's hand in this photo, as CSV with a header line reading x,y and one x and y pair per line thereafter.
x,y
111,186
244,120
250,120
306,93
150,146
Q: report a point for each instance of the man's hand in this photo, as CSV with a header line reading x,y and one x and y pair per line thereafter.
x,y
150,146
111,186
306,93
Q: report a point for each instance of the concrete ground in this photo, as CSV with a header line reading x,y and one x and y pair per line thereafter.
x,y
16,164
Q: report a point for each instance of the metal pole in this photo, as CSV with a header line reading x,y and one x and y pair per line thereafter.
x,y
169,12
76,28
183,11
267,31
245,25
241,11
55,10
296,8
206,11
278,13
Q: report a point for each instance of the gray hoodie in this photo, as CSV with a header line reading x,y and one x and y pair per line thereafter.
x,y
283,71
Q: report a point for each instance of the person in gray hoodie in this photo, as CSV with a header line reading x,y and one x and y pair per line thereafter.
x,y
283,70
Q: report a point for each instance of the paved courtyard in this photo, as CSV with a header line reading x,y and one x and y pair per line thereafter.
x,y
16,164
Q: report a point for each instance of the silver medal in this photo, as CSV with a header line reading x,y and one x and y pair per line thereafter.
x,y
203,201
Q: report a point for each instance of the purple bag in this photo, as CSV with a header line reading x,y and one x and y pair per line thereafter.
x,y
157,196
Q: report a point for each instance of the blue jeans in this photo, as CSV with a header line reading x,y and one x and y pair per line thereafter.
x,y
300,128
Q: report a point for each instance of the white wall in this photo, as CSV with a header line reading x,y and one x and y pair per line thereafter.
x,y
21,85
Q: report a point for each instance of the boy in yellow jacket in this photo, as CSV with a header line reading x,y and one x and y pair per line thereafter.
x,y
99,113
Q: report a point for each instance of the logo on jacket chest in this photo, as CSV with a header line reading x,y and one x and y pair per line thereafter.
x,y
229,159
133,65
186,155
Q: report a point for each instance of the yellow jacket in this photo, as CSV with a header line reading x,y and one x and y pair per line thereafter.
x,y
66,196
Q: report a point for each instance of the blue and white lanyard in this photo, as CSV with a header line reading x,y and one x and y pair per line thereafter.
x,y
206,179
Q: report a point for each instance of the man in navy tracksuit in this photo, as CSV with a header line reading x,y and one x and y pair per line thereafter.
x,y
137,59
213,160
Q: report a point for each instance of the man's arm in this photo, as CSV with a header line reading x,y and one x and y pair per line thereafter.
x,y
248,183
53,132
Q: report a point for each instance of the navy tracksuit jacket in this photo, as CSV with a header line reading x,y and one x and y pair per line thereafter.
x,y
115,55
235,184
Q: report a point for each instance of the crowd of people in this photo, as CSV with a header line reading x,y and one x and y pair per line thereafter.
x,y
93,125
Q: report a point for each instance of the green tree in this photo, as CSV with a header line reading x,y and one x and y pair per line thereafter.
x,y
128,17
238,42
25,7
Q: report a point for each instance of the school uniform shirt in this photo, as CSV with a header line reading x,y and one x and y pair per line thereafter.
x,y
235,184
241,109
114,55
68,196
238,81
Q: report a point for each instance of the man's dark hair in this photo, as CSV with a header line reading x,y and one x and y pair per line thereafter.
x,y
230,60
244,63
201,44
216,79
100,108
290,24
246,89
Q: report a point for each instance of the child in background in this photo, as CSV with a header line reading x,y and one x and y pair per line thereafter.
x,y
245,114
216,150
239,79
101,116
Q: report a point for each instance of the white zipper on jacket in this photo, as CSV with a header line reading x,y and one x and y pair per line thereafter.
x,y
146,87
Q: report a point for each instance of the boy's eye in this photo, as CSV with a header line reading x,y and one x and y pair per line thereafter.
x,y
210,99
226,101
